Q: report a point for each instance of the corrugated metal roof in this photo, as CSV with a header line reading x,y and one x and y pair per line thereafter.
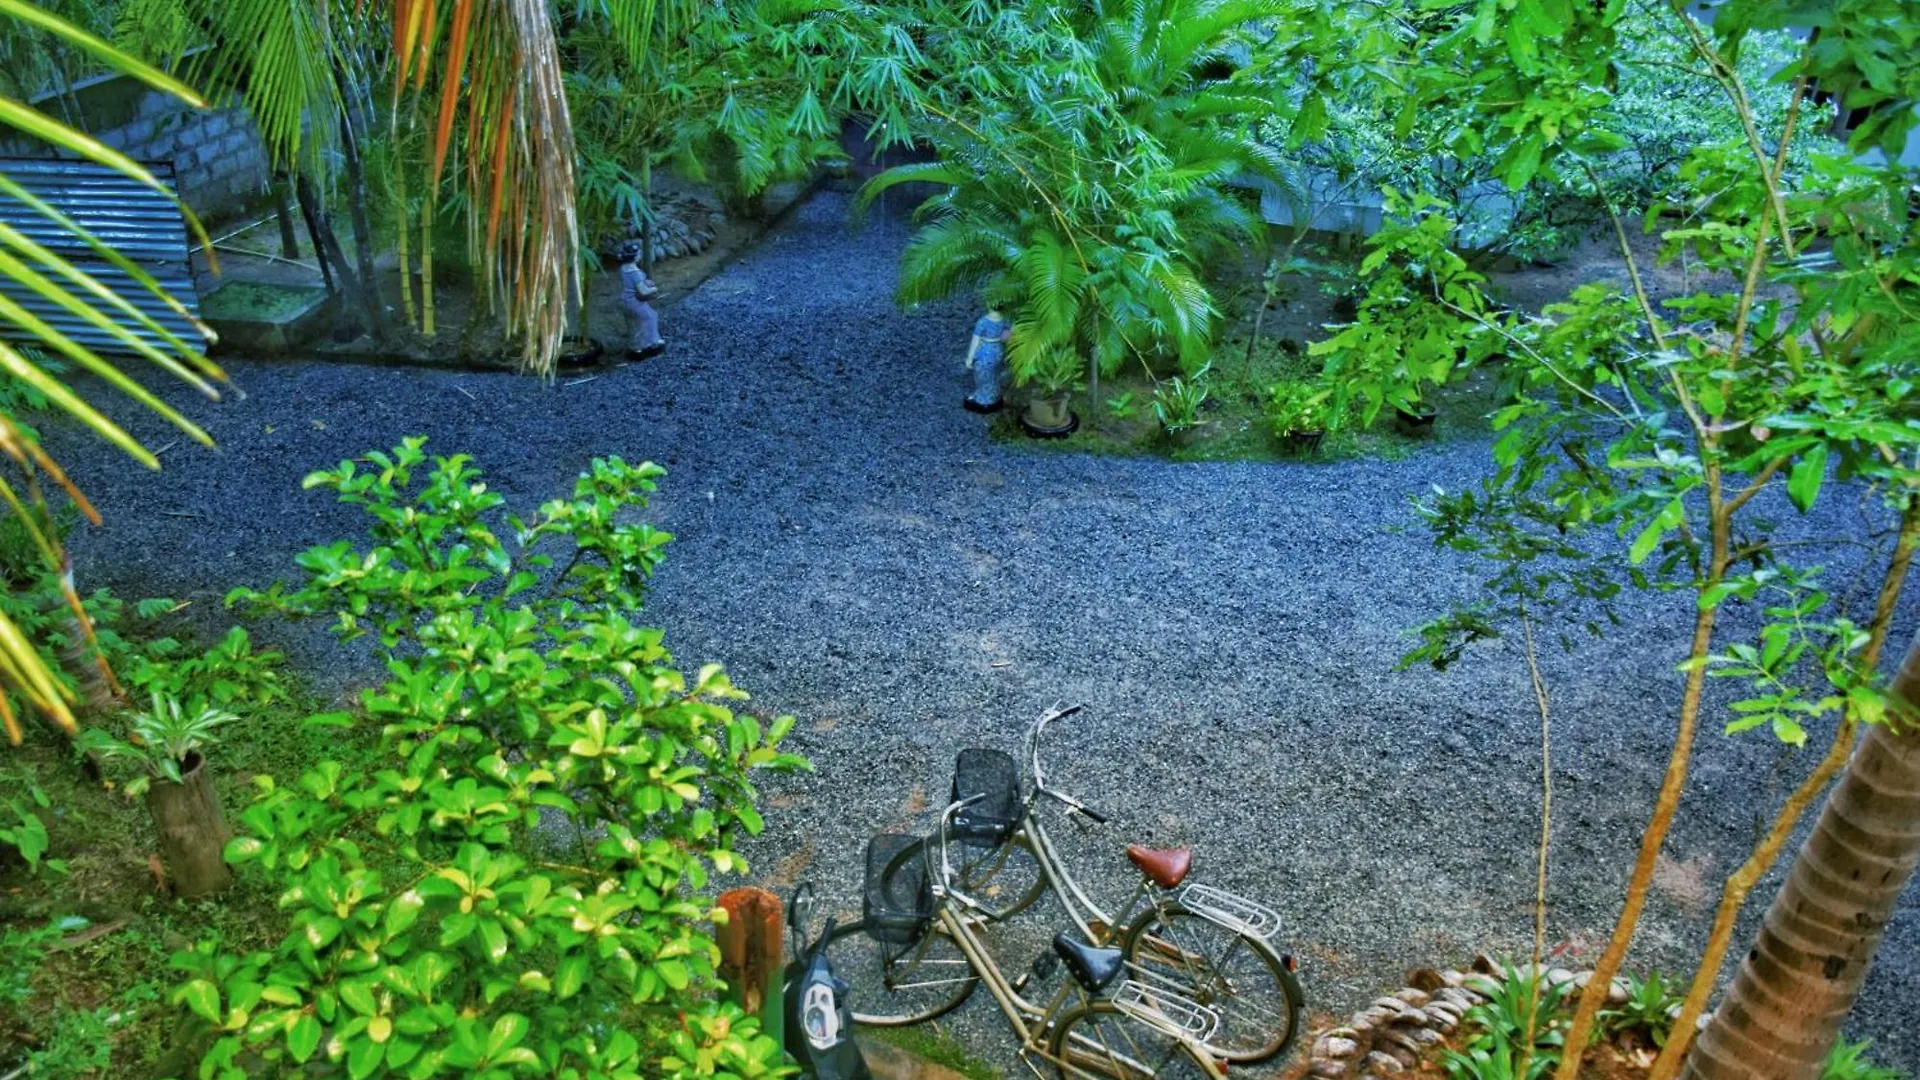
x,y
135,220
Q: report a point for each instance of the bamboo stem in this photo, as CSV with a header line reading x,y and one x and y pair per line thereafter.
x,y
406,264
427,325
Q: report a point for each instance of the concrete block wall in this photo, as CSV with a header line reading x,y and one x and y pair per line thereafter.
x,y
219,162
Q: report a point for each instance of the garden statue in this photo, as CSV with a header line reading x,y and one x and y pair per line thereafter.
x,y
636,290
986,357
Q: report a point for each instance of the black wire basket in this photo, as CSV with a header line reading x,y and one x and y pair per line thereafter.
x,y
992,775
897,905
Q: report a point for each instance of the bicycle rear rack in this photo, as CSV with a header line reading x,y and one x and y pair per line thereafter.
x,y
1166,1011
1236,913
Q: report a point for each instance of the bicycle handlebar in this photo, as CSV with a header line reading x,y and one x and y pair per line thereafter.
x,y
1073,805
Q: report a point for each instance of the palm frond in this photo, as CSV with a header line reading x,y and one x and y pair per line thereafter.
x,y
501,65
279,57
1198,26
947,254
1054,281
638,24
23,669
919,172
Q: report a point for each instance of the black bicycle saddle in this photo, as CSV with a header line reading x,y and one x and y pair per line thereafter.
x,y
1092,966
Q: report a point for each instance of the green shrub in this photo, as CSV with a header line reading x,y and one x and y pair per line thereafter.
x,y
520,888
20,825
1295,407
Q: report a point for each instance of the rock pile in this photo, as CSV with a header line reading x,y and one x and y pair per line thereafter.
x,y
684,223
1392,1035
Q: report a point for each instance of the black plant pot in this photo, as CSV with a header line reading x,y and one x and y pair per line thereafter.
x,y
1417,422
1302,443
579,352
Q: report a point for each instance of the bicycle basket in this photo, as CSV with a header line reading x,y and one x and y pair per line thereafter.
x,y
992,774
897,906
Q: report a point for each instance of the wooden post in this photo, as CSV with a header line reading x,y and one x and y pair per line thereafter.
x,y
751,947
193,831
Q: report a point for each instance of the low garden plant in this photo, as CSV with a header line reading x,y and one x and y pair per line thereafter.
x,y
518,884
1301,410
1177,403
1649,1009
1849,1061
1516,1034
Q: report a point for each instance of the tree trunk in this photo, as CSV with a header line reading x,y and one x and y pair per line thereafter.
x,y
1795,986
1259,319
193,831
354,175
312,211
283,210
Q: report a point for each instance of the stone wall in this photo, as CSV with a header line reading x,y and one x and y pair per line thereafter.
x,y
217,157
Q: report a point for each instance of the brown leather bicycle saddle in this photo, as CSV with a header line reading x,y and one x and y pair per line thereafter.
x,y
1166,866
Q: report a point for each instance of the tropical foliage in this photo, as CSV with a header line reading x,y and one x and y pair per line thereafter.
x,y
1102,261
1358,129
291,63
1422,315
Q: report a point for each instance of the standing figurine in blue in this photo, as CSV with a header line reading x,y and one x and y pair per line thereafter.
x,y
986,358
636,290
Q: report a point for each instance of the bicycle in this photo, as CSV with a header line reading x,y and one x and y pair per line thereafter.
x,y
1202,942
920,931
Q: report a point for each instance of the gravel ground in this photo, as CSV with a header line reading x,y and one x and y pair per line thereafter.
x,y
859,554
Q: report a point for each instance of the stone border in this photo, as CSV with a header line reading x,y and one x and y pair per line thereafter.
x,y
1390,1036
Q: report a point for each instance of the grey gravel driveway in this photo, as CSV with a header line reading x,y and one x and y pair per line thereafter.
x,y
859,554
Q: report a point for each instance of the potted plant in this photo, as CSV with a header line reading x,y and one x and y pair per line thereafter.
x,y
1176,404
1054,374
1301,414
1412,415
170,743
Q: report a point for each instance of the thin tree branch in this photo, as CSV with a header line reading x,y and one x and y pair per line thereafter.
x,y
1740,883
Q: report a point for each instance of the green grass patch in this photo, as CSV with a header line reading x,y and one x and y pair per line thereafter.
x,y
927,1042
95,1001
258,301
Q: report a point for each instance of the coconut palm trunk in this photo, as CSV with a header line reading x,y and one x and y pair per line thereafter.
x,y
1786,1006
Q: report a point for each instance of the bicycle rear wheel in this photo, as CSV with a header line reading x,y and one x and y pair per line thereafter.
x,y
1099,1042
893,985
1238,976
1004,879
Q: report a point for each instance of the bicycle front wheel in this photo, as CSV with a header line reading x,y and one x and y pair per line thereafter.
x,y
1238,976
1003,880
893,985
1099,1042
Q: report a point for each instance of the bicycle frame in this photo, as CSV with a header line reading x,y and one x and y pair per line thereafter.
x,y
1030,1021
1087,915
